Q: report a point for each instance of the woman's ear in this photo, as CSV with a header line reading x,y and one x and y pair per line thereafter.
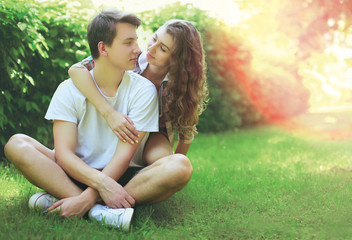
x,y
102,49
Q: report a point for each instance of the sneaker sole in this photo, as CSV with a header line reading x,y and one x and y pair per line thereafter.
x,y
128,215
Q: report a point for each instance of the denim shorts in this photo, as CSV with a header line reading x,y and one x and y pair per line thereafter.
x,y
124,179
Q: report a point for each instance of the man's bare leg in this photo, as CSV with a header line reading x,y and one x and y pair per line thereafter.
x,y
160,180
166,174
37,163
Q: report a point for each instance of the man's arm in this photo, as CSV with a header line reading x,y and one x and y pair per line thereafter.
x,y
115,169
65,139
112,193
101,183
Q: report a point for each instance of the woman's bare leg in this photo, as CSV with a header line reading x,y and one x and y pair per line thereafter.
x,y
157,147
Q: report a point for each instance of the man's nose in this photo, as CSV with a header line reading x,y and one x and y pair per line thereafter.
x,y
137,49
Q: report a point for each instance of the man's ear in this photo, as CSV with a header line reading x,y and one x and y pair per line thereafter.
x,y
102,49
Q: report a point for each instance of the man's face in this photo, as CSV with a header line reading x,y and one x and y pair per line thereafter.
x,y
124,50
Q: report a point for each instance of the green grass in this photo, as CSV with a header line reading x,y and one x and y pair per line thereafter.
x,y
259,183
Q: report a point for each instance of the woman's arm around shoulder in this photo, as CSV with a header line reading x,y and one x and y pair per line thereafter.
x,y
120,124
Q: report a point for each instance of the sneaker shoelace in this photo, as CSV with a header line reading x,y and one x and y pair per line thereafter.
x,y
49,200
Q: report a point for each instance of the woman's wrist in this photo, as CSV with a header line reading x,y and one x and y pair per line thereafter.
x,y
107,111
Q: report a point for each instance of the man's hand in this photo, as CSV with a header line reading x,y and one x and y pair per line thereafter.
x,y
71,207
114,195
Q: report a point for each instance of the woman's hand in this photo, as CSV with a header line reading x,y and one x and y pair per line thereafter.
x,y
122,126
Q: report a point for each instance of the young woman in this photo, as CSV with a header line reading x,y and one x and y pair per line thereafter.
x,y
174,63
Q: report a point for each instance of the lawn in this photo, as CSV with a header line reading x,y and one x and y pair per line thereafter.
x,y
257,183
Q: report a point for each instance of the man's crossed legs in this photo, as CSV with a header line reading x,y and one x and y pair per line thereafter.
x,y
164,175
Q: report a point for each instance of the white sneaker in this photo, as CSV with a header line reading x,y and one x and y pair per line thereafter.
x,y
119,217
41,201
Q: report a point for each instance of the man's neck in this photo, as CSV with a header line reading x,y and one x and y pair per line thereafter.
x,y
107,77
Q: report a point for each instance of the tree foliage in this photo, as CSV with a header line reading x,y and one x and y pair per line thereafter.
x,y
38,43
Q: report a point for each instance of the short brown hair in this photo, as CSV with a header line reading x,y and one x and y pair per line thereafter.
x,y
103,28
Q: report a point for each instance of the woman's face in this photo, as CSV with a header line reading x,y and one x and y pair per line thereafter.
x,y
159,48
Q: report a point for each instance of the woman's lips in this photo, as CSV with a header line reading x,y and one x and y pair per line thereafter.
x,y
150,56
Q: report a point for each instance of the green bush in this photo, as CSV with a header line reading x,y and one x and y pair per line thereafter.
x,y
37,45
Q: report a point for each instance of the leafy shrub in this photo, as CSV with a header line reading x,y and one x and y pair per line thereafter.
x,y
37,43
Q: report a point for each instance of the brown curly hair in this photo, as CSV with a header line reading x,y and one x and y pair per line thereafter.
x,y
187,76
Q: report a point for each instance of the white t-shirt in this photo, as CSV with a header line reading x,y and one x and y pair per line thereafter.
x,y
96,143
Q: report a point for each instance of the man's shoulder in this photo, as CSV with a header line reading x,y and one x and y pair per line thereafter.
x,y
68,85
138,80
68,88
140,86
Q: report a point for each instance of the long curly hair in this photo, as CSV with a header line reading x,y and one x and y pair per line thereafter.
x,y
187,76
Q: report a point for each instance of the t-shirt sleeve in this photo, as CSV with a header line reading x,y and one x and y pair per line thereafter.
x,y
144,111
62,105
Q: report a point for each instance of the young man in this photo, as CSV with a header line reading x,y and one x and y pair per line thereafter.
x,y
88,158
